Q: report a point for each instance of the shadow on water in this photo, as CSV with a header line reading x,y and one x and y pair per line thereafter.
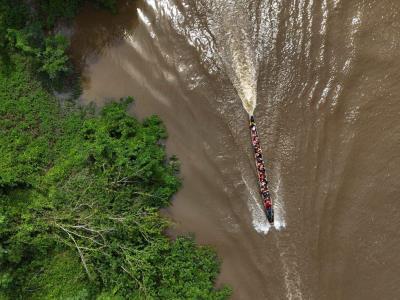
x,y
97,29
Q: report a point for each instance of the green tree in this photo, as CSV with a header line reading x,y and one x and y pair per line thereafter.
x,y
84,189
54,61
79,191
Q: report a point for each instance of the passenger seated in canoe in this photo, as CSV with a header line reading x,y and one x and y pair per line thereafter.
x,y
267,203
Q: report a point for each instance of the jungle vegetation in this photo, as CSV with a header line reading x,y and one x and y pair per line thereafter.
x,y
80,189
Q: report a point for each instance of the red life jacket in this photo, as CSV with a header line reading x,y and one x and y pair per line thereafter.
x,y
267,203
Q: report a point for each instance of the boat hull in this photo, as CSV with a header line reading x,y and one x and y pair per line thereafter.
x,y
261,172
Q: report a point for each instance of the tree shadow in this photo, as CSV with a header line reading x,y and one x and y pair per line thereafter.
x,y
95,30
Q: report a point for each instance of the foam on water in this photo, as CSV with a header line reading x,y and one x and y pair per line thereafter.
x,y
232,43
245,76
259,221
279,211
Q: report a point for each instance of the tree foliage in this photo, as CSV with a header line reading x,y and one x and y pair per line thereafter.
x,y
23,28
79,200
53,58
80,192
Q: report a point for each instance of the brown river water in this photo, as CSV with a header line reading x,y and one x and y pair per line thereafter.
x,y
324,80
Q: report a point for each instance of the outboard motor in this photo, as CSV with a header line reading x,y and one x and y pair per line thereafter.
x,y
269,212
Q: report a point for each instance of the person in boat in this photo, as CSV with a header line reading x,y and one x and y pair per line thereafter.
x,y
265,193
268,210
261,176
268,203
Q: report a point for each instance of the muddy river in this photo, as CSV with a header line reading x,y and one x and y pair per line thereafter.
x,y
323,79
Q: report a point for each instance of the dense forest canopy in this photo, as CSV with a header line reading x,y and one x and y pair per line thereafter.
x,y
80,191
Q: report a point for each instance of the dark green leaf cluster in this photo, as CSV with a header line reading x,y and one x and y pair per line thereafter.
x,y
80,192
79,200
25,27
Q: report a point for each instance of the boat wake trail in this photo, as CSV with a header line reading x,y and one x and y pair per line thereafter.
x,y
238,48
279,222
259,221
234,43
245,77
292,279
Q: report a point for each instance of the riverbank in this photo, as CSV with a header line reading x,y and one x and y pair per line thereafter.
x,y
319,106
80,191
